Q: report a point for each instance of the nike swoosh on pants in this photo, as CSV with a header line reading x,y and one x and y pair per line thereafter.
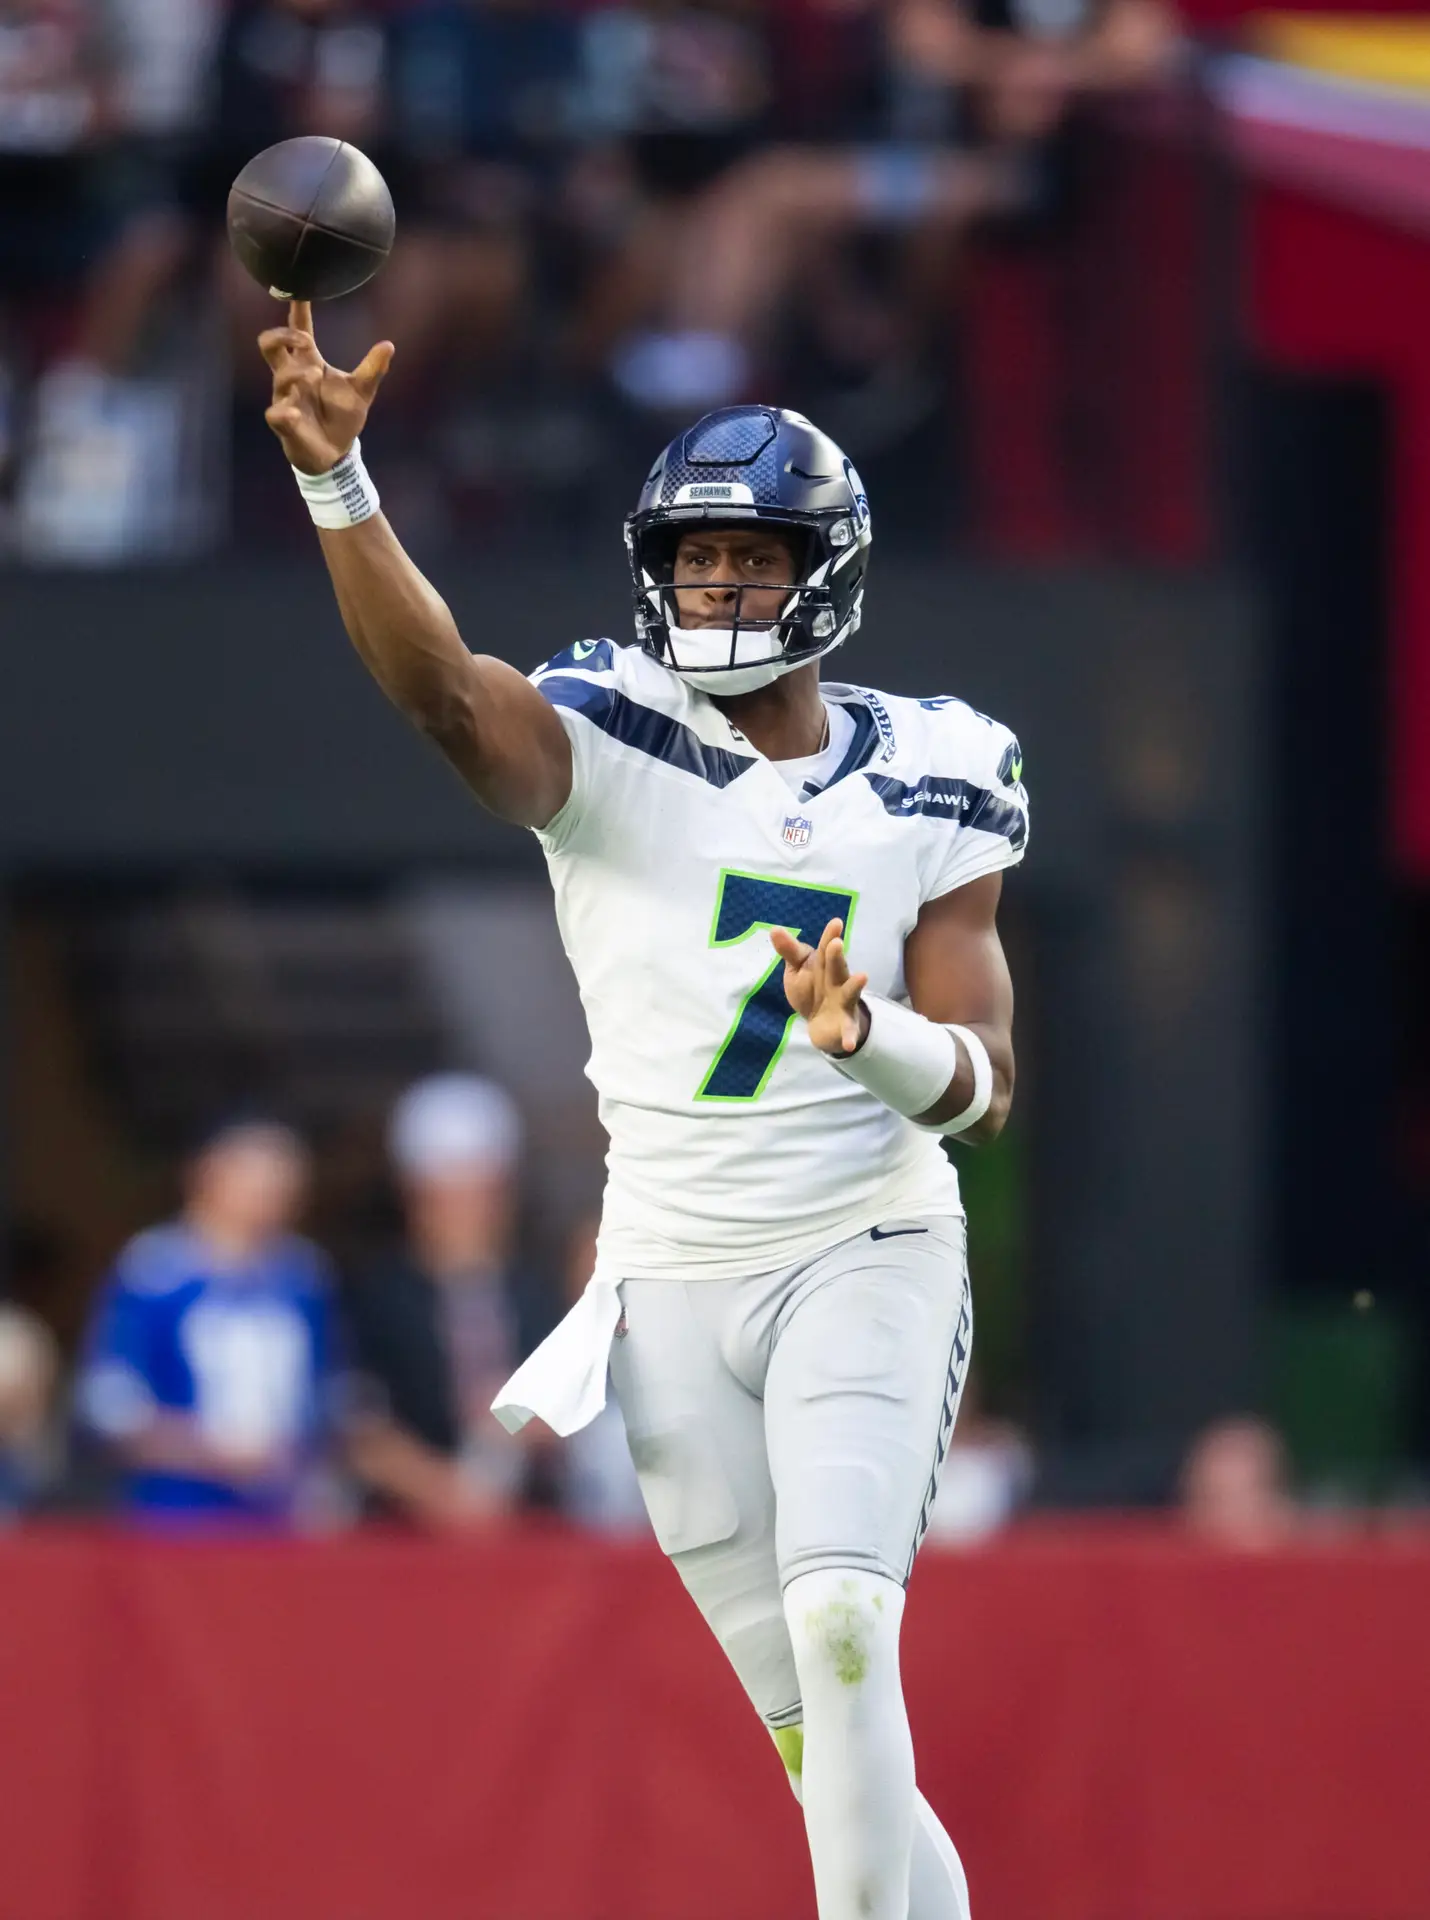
x,y
898,1233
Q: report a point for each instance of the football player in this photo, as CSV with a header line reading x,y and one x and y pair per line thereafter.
x,y
779,898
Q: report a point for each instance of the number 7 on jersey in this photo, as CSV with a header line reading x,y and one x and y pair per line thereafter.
x,y
749,903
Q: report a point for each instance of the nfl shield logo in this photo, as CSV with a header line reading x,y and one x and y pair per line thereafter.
x,y
797,831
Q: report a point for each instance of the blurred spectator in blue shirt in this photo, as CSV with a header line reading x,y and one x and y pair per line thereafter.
x,y
209,1362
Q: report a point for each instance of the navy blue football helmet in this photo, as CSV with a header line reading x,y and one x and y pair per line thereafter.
x,y
749,466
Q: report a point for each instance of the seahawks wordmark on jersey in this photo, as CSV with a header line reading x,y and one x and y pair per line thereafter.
x,y
736,1147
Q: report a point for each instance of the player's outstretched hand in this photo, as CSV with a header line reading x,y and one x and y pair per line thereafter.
x,y
318,411
821,989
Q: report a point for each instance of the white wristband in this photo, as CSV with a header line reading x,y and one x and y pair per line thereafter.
x,y
343,496
905,1061
982,1082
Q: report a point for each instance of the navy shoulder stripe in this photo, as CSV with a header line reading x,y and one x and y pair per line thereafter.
x,y
859,752
644,728
863,743
959,801
593,655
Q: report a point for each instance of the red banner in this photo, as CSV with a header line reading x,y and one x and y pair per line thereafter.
x,y
1114,1725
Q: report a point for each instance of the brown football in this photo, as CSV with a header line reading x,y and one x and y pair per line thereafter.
x,y
311,219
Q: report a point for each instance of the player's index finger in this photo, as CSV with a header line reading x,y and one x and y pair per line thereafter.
x,y
300,315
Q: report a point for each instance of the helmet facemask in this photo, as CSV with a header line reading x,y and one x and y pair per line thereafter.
x,y
750,652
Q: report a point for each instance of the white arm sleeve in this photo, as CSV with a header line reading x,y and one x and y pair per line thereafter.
x,y
907,1062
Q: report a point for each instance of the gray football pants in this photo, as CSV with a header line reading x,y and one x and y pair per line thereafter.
x,y
794,1420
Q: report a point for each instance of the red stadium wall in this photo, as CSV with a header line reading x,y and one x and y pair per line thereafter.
x,y
1115,1725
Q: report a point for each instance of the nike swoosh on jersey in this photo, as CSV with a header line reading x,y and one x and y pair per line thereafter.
x,y
896,1233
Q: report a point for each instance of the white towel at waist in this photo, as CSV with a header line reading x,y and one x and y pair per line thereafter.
x,y
564,1381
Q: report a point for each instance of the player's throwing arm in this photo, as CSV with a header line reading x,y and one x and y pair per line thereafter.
x,y
492,724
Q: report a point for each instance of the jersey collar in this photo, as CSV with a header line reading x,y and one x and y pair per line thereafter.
x,y
873,731
873,736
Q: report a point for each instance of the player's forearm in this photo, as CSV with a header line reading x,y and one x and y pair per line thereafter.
x,y
958,1095
400,626
957,976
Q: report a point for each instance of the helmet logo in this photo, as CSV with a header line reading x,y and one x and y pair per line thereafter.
x,y
861,499
725,493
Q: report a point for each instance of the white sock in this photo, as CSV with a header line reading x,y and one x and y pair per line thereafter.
x,y
858,1781
938,1886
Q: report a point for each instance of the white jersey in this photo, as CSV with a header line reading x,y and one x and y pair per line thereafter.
x,y
736,1147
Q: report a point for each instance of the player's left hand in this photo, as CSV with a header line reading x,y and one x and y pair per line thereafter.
x,y
822,990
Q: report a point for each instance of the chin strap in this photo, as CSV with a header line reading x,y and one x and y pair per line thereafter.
x,y
723,676
711,676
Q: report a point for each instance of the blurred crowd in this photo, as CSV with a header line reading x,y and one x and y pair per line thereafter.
x,y
232,1374
605,212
